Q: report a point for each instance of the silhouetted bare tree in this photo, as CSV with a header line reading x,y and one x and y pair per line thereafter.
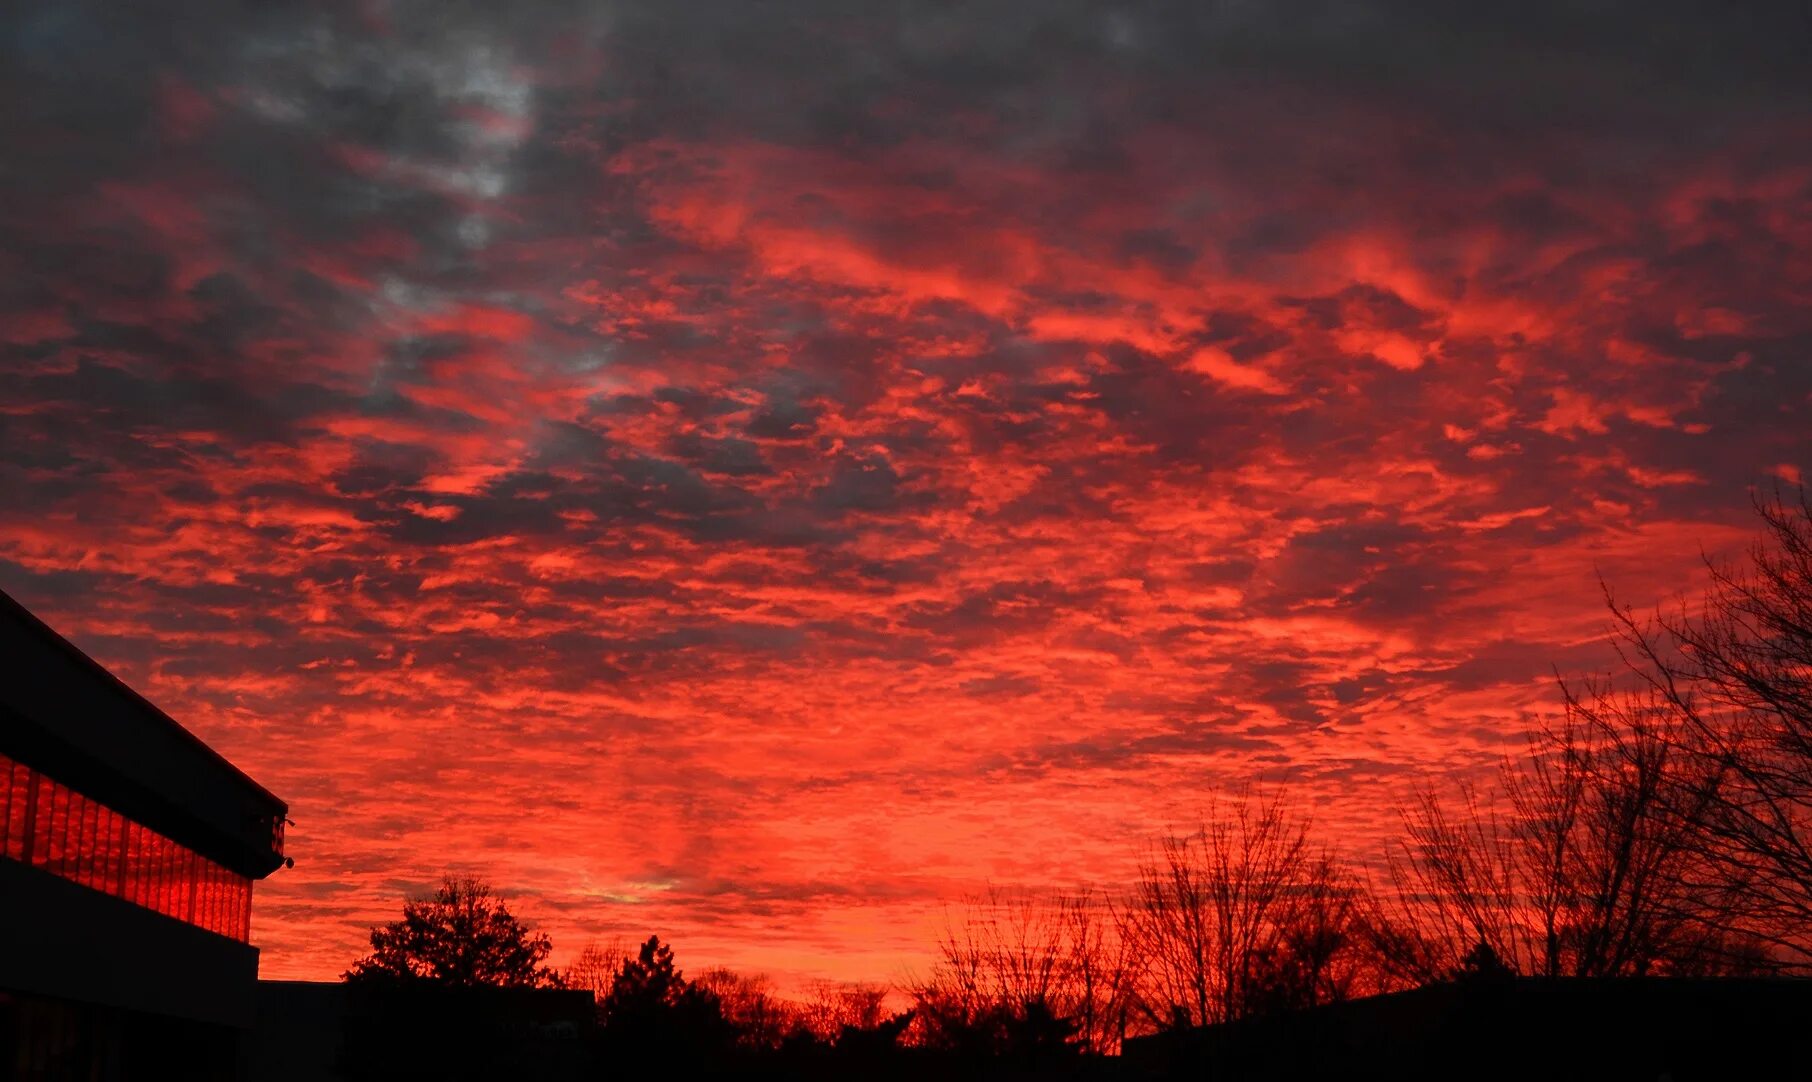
x,y
595,970
461,935
1319,951
1026,975
998,967
1592,864
1738,675
1242,916
1454,888
833,1007
1098,970
761,1019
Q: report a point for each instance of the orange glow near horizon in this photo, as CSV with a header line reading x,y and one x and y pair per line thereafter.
x,y
762,525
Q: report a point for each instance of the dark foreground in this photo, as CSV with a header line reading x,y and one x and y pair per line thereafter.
x,y
1508,1029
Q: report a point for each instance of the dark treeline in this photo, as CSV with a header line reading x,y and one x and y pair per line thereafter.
x,y
1659,824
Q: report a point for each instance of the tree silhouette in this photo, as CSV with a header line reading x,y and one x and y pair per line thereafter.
x,y
1242,917
646,983
1592,860
761,1019
1027,975
654,1011
1481,963
836,1008
595,970
460,936
1738,675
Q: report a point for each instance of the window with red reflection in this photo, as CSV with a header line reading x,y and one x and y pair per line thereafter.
x,y
162,881
54,800
86,848
15,828
131,878
6,803
112,824
49,825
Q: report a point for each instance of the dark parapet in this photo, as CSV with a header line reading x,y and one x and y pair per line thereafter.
x,y
1517,1028
337,1032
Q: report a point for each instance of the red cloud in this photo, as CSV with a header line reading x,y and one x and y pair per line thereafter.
x,y
761,537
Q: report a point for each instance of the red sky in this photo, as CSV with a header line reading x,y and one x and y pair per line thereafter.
x,y
758,475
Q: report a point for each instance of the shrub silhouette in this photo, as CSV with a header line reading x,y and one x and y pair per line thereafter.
x,y
1482,964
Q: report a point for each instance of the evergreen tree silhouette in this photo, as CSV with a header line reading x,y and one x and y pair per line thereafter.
x,y
654,1013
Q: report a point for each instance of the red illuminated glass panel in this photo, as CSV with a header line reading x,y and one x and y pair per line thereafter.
x,y
162,885
17,780
112,825
132,884
204,896
53,813
217,908
6,803
157,877
47,824
189,865
85,842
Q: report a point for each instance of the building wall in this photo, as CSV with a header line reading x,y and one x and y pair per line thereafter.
x,y
1597,1029
48,825
54,1040
128,849
416,1030
66,941
67,716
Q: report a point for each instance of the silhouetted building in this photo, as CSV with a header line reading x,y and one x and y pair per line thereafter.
x,y
128,849
1606,1030
309,1031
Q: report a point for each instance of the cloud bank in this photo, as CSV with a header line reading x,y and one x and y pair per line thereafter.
x,y
756,472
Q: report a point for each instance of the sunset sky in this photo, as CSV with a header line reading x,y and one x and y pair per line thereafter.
x,y
758,472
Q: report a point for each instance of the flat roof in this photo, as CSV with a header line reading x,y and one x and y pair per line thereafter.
x,y
65,714
11,607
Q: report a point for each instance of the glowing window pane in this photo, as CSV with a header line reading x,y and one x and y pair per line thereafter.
x,y
85,846
131,879
47,824
108,845
6,801
216,883
186,904
157,857
18,811
56,826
